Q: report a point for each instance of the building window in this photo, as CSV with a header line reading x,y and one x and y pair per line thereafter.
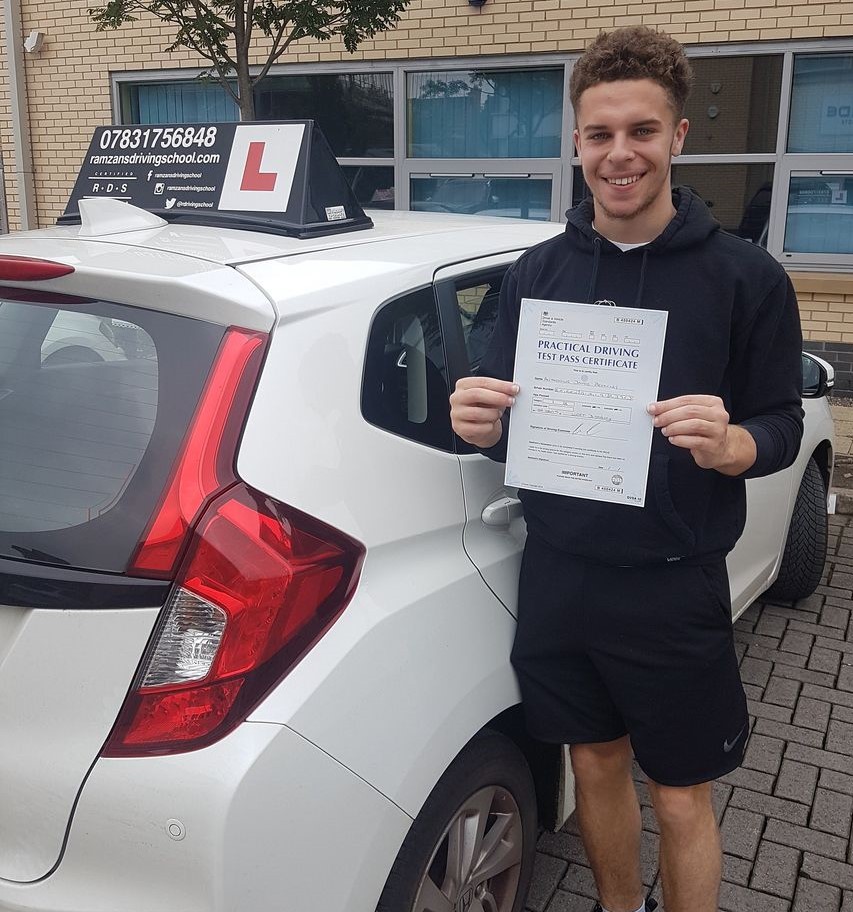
x,y
770,145
822,104
820,214
176,102
355,111
513,197
485,113
373,185
738,195
734,105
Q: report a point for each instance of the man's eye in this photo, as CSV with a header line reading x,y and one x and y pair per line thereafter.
x,y
644,131
597,137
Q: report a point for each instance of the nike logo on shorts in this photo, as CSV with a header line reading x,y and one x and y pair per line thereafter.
x,y
728,745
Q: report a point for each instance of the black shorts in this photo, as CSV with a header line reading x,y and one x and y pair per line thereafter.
x,y
605,651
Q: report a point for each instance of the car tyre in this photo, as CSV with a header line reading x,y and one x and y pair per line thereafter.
x,y
805,549
473,843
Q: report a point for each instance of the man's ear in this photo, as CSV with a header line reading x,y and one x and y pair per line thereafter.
x,y
576,136
680,135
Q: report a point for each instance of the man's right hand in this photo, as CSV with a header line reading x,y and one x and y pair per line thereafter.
x,y
476,407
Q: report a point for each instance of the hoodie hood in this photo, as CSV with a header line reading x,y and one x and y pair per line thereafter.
x,y
692,224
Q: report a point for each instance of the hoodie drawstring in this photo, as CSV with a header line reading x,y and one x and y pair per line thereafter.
x,y
639,299
596,259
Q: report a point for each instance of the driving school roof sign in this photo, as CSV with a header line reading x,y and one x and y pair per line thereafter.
x,y
273,176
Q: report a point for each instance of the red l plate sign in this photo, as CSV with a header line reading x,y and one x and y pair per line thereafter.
x,y
261,167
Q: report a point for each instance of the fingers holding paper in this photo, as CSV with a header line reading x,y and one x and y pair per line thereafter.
x,y
476,407
701,424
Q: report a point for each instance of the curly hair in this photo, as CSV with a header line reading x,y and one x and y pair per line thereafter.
x,y
634,52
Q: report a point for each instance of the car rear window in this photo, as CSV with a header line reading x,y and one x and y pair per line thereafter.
x,y
95,398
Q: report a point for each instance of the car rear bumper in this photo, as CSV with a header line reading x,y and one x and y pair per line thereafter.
x,y
263,820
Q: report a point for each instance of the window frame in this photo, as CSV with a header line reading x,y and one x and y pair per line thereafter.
x,y
445,282
792,164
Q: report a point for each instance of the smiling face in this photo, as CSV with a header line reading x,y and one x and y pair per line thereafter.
x,y
626,135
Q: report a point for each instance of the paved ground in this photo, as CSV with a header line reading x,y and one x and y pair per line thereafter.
x,y
842,412
786,814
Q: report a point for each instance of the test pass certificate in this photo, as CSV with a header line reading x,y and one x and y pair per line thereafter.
x,y
579,425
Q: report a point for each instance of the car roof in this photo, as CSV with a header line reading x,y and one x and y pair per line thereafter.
x,y
249,278
234,247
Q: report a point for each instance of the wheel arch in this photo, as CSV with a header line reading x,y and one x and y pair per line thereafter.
x,y
546,762
823,455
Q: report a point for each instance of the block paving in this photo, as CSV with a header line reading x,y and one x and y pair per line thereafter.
x,y
786,815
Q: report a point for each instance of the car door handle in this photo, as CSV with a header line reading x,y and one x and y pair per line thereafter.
x,y
502,511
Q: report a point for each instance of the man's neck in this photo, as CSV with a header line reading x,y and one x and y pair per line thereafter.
x,y
641,229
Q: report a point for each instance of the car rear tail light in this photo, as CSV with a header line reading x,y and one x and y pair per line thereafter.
x,y
257,583
260,584
205,465
30,269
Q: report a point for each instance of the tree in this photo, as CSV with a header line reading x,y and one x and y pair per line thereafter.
x,y
223,31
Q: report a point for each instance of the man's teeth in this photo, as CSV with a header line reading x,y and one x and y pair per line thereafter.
x,y
624,181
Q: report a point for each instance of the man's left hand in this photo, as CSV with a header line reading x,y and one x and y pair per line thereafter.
x,y
701,424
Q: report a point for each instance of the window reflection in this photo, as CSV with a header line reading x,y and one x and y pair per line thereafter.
x,y
499,196
734,105
355,111
822,104
485,114
176,102
373,185
820,214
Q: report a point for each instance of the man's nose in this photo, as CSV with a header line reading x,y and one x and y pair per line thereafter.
x,y
621,149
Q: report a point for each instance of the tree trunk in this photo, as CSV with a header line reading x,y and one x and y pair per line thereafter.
x,y
242,36
244,90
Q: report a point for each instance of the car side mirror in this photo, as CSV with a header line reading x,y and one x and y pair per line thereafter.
x,y
818,376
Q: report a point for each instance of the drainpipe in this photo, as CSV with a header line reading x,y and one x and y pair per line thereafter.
x,y
23,166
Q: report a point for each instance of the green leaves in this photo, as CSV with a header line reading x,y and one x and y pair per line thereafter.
x,y
222,30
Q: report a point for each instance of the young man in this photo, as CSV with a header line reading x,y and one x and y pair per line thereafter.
x,y
624,644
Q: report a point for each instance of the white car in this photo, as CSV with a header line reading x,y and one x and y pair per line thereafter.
x,y
256,601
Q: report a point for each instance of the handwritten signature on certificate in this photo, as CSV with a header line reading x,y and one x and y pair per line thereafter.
x,y
579,425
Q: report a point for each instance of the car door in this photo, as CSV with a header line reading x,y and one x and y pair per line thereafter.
x,y
494,530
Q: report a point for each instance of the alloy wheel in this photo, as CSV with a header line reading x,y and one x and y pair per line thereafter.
x,y
476,864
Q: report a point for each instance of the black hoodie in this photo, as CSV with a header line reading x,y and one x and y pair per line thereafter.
x,y
733,331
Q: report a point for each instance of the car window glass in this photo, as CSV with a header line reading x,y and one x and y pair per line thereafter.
x,y
405,380
99,423
94,400
86,338
477,307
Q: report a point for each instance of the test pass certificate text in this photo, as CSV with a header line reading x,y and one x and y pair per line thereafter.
x,y
579,425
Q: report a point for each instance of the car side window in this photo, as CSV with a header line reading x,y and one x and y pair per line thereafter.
x,y
405,378
477,307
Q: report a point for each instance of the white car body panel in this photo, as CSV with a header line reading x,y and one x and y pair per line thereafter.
x,y
154,279
63,678
412,670
251,801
